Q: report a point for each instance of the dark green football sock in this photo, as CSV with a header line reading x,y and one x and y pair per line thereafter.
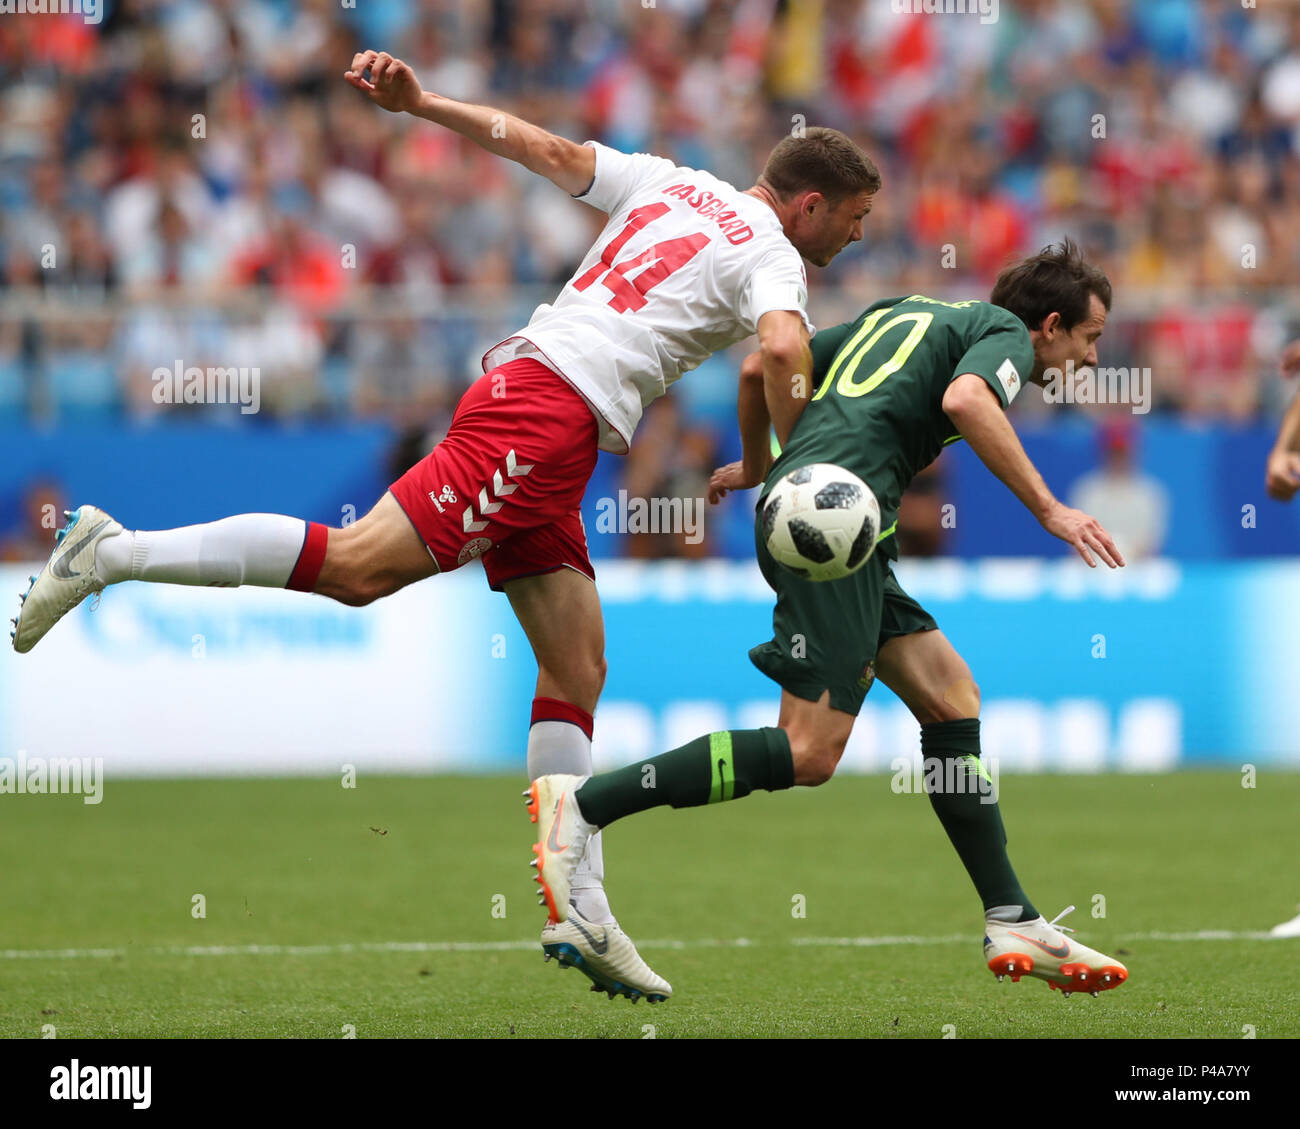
x,y
962,795
708,770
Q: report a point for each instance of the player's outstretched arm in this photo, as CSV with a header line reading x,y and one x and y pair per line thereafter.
x,y
787,369
974,407
393,86
754,420
755,431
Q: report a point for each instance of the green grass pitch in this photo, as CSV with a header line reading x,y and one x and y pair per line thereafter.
x,y
332,909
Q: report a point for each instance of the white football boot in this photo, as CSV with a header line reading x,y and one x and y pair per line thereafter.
x,y
606,955
562,836
1287,928
1040,948
69,576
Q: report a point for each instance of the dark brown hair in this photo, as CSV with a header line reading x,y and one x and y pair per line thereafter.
x,y
822,160
1056,280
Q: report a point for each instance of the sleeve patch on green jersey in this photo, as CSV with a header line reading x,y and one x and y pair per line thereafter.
x,y
1009,378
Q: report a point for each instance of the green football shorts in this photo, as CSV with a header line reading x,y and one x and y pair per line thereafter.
x,y
826,634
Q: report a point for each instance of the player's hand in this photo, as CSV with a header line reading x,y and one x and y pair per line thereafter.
x,y
1085,533
392,84
1283,478
1291,359
728,478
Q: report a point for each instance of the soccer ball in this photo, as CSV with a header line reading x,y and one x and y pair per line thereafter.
x,y
821,522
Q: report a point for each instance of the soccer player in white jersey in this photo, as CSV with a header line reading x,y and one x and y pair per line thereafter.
x,y
686,265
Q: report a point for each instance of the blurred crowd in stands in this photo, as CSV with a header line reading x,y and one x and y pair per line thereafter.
x,y
191,181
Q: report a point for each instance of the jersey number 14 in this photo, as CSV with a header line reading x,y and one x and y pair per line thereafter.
x,y
659,261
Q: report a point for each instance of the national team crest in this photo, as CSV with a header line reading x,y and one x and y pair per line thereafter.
x,y
868,675
472,549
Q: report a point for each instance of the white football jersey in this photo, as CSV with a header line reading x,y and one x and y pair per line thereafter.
x,y
686,266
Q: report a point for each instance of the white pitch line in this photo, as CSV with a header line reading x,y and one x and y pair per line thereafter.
x,y
57,954
1207,935
867,942
872,942
527,946
334,950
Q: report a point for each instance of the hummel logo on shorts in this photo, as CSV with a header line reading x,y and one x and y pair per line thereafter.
x,y
447,495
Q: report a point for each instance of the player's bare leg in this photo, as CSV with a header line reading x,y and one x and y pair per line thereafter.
x,y
935,683
373,557
929,676
817,733
560,613
357,564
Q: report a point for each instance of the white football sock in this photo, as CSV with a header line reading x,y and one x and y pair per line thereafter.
x,y
561,746
259,549
587,891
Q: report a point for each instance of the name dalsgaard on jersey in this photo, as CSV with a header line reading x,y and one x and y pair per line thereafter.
x,y
712,207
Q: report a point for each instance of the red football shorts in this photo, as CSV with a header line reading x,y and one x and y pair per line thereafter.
x,y
506,484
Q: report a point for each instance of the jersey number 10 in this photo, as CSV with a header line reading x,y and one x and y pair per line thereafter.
x,y
850,355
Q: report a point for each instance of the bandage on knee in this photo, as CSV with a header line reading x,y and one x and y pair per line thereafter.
x,y
964,696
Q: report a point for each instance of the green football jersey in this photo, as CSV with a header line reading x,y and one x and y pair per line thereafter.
x,y
877,404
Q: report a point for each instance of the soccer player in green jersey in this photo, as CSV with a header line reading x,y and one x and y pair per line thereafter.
x,y
889,390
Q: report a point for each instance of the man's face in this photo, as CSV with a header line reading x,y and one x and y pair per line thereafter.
x,y
822,231
1055,346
